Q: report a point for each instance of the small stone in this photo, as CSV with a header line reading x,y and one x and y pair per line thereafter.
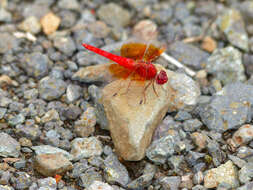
x,y
5,16
199,139
30,24
121,16
31,94
86,148
89,177
226,65
236,99
218,156
2,112
171,182
145,179
189,55
247,186
237,161
99,29
22,181
9,39
50,88
73,92
243,135
183,115
65,44
114,171
162,148
192,125
5,177
5,187
99,185
36,65
47,149
146,30
30,131
48,182
225,173
66,4
177,164
244,152
224,186
72,112
50,23
232,24
52,164
198,178
86,125
9,146
21,164
51,115
186,181
209,44
246,173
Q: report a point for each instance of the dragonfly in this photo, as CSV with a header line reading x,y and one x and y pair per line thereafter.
x,y
135,62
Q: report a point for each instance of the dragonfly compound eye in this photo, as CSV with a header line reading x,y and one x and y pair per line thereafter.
x,y
162,77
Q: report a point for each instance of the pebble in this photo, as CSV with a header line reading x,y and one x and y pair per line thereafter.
x,y
236,99
5,16
65,4
198,177
86,125
5,187
243,135
86,148
50,23
226,65
5,177
237,161
89,177
232,25
247,186
72,112
73,92
17,119
108,11
65,44
188,55
30,131
161,149
145,179
114,171
171,182
218,156
9,147
68,19
199,139
47,149
99,29
48,182
183,115
246,173
30,24
145,30
192,125
31,94
224,173
36,65
52,164
50,88
9,39
51,115
100,185
22,181
2,112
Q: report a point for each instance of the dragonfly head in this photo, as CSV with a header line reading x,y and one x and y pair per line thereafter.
x,y
161,77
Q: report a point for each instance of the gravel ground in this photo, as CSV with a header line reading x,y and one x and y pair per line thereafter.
x,y
53,132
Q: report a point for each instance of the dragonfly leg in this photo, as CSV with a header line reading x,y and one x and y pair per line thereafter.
x,y
144,92
153,85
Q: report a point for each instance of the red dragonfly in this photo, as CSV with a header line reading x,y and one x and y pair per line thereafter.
x,y
135,62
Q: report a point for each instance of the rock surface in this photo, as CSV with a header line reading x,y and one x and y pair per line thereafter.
x,y
132,132
225,173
